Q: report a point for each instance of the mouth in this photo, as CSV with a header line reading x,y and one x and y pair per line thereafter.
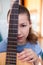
x,y
20,38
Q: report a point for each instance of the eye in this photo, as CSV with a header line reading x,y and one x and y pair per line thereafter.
x,y
23,25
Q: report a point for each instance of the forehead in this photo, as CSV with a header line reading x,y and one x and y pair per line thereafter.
x,y
23,18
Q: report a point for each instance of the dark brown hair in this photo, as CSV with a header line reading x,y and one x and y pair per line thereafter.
x,y
31,36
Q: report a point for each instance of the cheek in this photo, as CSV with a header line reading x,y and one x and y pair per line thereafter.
x,y
26,31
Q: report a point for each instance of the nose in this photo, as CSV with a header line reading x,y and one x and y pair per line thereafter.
x,y
19,31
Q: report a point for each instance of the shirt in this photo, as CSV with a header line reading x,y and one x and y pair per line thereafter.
x,y
35,47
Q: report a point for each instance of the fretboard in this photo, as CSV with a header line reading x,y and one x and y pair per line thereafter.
x,y
12,35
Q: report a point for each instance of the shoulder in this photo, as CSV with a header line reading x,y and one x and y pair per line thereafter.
x,y
3,46
35,47
38,49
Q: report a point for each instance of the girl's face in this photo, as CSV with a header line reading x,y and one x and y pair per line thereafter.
x,y
23,28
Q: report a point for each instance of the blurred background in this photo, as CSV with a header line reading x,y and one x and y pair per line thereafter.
x,y
36,10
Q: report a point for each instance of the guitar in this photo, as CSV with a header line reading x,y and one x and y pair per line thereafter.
x,y
10,57
18,62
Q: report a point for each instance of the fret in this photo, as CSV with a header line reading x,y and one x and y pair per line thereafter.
x,y
12,48
14,11
13,28
14,24
12,37
11,56
16,6
10,62
12,41
12,45
13,33
11,53
13,8
15,14
16,3
13,60
14,19
10,59
15,0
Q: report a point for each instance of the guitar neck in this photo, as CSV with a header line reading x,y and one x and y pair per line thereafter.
x,y
12,36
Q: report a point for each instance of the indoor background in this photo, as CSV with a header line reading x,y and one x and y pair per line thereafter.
x,y
36,10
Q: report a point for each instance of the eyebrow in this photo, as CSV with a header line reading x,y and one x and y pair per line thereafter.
x,y
22,23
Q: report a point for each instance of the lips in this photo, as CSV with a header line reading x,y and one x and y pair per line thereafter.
x,y
20,37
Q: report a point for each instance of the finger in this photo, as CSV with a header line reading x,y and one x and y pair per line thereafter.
x,y
22,57
26,59
31,60
23,52
28,51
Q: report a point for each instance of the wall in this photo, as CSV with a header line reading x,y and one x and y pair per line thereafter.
x,y
4,6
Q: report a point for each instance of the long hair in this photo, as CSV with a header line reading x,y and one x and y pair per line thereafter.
x,y
31,36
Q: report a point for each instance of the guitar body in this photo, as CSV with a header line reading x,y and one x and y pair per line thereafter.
x,y
3,60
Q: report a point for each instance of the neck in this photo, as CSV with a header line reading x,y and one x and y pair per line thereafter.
x,y
22,43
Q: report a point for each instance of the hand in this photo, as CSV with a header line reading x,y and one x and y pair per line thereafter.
x,y
28,55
